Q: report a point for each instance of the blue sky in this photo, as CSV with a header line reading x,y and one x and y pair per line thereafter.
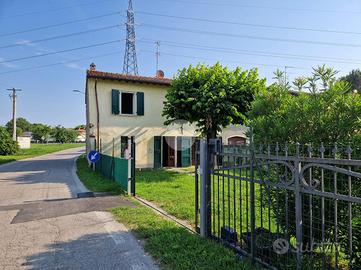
x,y
48,96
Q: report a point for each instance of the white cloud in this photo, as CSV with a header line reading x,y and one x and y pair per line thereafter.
x,y
25,42
8,65
73,66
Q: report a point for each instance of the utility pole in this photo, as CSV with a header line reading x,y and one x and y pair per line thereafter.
x,y
13,96
285,73
157,55
130,65
285,79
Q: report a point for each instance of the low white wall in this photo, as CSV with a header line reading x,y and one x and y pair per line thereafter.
x,y
24,142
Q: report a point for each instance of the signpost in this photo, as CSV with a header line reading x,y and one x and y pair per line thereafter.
x,y
93,156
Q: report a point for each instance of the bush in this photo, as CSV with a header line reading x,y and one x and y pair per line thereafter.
x,y
330,116
7,145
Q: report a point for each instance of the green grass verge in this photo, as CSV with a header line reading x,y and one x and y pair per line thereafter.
x,y
175,247
38,150
94,181
170,190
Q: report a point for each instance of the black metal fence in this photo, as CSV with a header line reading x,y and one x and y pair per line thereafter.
x,y
289,207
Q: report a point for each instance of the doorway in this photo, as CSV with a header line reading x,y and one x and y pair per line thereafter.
x,y
169,151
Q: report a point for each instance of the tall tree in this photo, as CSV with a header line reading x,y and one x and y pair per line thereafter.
x,y
212,97
354,79
326,74
41,132
300,83
22,125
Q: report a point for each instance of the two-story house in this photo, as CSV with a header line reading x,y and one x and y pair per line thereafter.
x,y
120,106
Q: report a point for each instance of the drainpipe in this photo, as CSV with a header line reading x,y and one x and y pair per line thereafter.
x,y
97,106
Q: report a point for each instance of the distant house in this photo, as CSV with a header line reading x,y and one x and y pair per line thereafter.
x,y
120,106
81,137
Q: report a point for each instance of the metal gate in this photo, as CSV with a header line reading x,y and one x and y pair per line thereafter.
x,y
287,207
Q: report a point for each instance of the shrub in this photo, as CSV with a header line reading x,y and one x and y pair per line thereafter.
x,y
7,145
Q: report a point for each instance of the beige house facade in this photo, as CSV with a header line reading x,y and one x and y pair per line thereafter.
x,y
121,108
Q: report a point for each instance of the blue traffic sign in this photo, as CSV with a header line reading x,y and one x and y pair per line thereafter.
x,y
93,156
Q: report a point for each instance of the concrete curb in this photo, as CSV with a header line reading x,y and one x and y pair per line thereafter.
x,y
78,183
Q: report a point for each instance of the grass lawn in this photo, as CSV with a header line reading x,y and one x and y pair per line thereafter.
x,y
95,181
174,247
38,150
170,190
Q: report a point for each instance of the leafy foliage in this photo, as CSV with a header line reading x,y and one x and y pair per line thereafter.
x,y
64,135
330,116
330,113
212,97
41,132
22,125
7,145
354,79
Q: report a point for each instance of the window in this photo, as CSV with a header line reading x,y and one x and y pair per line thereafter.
x,y
127,103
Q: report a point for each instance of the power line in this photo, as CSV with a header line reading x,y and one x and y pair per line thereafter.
x,y
57,52
249,24
60,36
255,53
260,7
60,63
216,59
46,11
58,24
251,37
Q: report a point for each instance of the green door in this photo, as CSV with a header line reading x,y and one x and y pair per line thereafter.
x,y
186,151
157,152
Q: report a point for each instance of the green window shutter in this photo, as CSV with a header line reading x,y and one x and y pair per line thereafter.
x,y
157,152
115,101
140,103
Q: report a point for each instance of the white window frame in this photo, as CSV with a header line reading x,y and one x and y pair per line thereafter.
x,y
134,103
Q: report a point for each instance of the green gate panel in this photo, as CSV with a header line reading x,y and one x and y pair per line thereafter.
x,y
157,152
105,166
186,155
115,169
121,172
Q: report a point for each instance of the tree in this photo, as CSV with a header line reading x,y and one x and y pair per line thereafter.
x,y
354,79
80,127
326,74
300,83
64,135
212,97
22,125
40,132
329,116
279,76
7,145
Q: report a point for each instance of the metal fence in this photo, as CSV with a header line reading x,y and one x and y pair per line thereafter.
x,y
287,207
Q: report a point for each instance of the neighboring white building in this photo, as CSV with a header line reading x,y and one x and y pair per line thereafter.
x,y
119,106
24,142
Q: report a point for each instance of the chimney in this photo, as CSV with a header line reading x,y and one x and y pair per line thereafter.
x,y
92,67
160,74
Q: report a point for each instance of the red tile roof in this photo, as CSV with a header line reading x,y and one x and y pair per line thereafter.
x,y
94,74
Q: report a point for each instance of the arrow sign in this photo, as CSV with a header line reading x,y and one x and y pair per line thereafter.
x,y
93,156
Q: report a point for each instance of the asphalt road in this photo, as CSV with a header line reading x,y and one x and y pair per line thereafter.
x,y
44,226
